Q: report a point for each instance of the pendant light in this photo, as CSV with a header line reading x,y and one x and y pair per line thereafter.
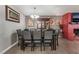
x,y
34,16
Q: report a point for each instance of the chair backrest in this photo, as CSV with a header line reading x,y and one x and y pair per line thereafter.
x,y
36,34
27,35
26,29
57,32
19,32
48,34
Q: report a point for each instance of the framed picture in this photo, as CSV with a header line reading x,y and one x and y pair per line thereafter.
x,y
30,23
12,15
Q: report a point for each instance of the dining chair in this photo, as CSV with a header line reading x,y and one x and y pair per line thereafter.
x,y
48,38
55,39
27,39
37,39
20,39
19,35
57,36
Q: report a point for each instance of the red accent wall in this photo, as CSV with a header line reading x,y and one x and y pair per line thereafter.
x,y
68,28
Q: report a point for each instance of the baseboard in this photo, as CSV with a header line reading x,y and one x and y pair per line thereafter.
x,y
5,50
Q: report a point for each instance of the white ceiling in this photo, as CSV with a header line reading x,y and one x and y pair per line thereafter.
x,y
47,9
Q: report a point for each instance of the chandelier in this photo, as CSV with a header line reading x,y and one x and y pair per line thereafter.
x,y
34,15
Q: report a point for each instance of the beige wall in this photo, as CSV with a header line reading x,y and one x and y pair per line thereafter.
x,y
8,28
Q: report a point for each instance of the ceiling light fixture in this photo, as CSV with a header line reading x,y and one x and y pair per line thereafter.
x,y
34,15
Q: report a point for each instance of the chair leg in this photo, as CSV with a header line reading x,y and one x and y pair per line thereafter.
x,y
32,47
44,46
57,42
22,48
55,47
51,46
54,44
18,44
41,47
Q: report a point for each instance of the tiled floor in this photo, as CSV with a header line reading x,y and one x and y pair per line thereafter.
x,y
65,47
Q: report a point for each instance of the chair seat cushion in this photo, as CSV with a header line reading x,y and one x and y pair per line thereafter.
x,y
27,41
37,41
47,41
